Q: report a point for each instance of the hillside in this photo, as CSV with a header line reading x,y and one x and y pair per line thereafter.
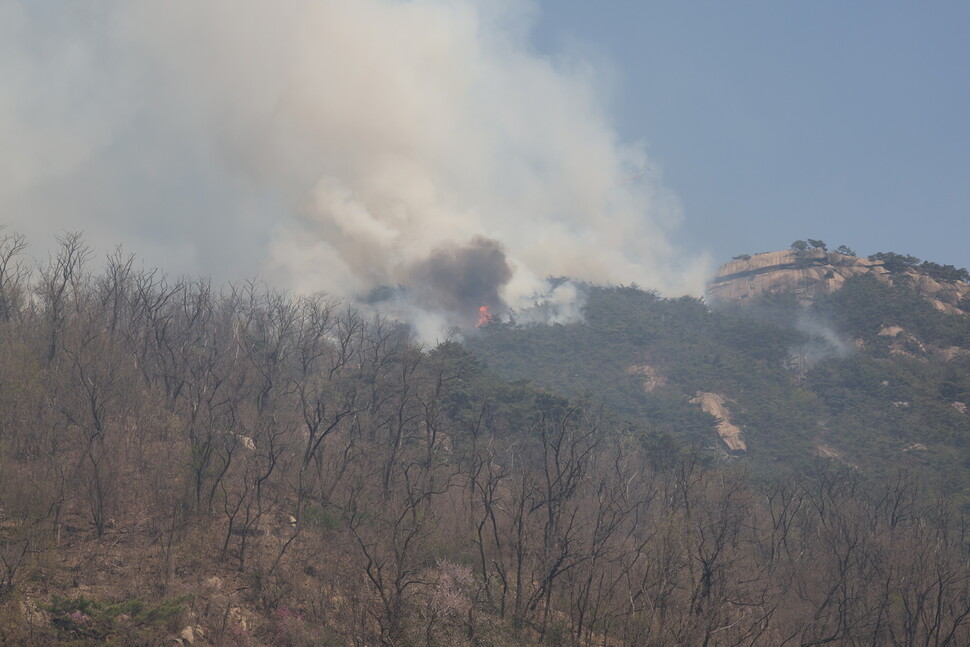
x,y
181,465
799,355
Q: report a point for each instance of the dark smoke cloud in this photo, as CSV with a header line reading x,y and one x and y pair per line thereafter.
x,y
460,279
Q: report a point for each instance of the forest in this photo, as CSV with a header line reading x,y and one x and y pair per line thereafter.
x,y
796,377
233,465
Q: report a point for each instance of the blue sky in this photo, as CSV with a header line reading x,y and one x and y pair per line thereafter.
x,y
772,121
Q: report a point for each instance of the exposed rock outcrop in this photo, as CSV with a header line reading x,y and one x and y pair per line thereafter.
x,y
904,343
827,451
811,273
713,403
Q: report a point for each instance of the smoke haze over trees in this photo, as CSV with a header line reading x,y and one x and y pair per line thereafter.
x,y
325,145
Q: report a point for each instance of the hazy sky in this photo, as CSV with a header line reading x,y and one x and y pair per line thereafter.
x,y
843,121
345,144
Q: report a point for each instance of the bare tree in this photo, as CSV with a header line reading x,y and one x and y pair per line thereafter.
x,y
14,273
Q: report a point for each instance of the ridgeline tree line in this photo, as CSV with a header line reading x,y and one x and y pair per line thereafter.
x,y
281,470
892,261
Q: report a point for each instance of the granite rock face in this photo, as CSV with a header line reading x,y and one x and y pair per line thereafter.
x,y
714,404
812,273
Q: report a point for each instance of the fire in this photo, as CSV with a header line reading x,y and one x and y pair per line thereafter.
x,y
484,316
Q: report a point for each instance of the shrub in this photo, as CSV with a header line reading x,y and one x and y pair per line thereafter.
x,y
87,619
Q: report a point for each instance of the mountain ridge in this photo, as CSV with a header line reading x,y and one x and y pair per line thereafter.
x,y
809,274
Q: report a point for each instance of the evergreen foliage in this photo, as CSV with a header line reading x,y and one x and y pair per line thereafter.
x,y
794,378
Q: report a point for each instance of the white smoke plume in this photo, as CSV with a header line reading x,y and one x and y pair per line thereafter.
x,y
826,342
335,145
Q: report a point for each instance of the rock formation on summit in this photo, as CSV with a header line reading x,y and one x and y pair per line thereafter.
x,y
810,273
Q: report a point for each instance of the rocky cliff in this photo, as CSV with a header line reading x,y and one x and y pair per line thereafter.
x,y
811,273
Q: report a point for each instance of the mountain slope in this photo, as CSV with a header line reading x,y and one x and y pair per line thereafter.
x,y
808,355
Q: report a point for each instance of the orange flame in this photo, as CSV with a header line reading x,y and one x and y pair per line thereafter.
x,y
484,317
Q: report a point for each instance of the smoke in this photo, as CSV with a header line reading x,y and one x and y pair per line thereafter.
x,y
811,325
330,145
825,342
562,303
460,279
